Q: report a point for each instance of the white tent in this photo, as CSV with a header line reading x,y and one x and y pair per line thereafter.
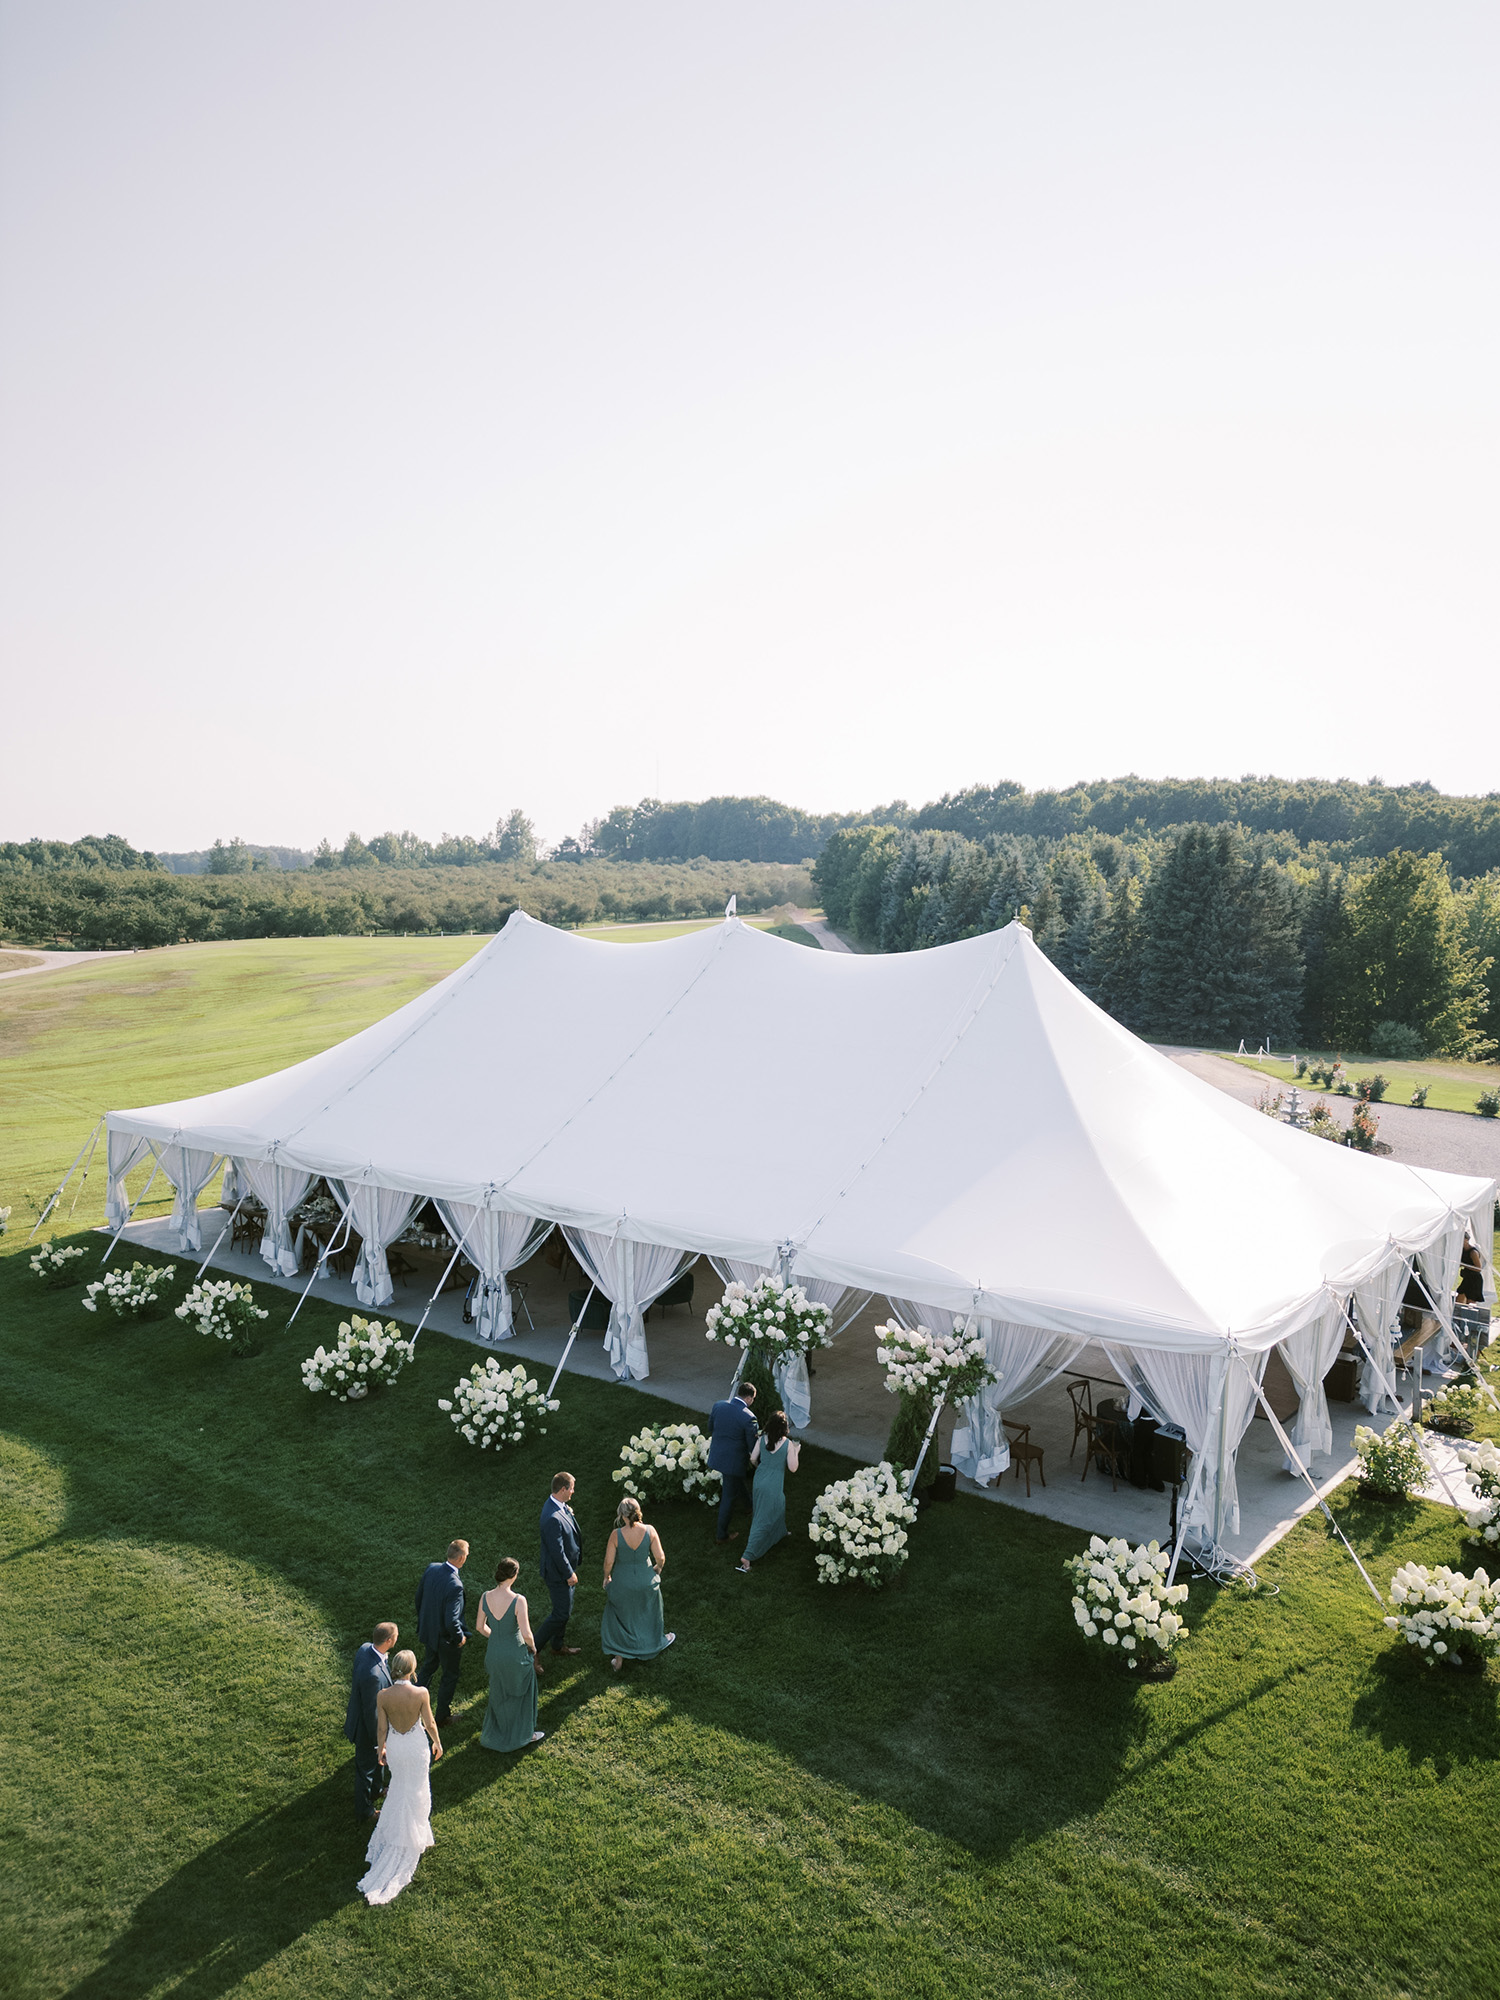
x,y
958,1127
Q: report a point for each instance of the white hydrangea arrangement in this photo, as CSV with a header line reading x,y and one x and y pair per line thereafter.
x,y
780,1320
1391,1463
1481,1464
129,1294
365,1356
1446,1615
1454,1409
666,1462
223,1309
860,1526
1121,1597
492,1405
54,1262
932,1367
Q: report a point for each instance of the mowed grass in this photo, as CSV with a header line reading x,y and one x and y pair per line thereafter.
x,y
1450,1086
937,1790
934,1791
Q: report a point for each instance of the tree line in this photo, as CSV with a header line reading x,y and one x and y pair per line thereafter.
x,y
111,909
1204,934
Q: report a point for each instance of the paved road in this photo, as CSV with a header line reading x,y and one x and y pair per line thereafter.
x,y
1454,1142
53,959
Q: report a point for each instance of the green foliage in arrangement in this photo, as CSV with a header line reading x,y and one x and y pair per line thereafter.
x,y
929,1789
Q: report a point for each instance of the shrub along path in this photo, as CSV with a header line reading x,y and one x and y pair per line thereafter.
x,y
933,1791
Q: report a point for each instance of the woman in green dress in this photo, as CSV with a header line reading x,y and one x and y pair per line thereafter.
x,y
774,1456
631,1628
510,1661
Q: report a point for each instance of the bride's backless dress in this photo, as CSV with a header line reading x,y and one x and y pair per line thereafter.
x,y
403,1833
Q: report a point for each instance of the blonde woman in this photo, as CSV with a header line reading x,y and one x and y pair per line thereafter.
x,y
631,1628
404,1730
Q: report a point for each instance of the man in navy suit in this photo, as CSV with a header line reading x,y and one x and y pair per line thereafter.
x,y
733,1430
441,1627
562,1551
371,1674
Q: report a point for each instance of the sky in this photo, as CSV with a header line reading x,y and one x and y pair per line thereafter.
x,y
411,413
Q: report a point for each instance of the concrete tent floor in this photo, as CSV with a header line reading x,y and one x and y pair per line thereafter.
x,y
851,1410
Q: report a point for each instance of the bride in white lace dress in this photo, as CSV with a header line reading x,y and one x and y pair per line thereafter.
x,y
403,1833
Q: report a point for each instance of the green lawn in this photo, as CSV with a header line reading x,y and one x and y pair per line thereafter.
x,y
1451,1086
934,1791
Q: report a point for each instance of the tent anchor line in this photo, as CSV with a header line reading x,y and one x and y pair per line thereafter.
x,y
56,1196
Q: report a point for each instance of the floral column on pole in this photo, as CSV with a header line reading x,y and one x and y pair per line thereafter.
x,y
778,1326
927,1370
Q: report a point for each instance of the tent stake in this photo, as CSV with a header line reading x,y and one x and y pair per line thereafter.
x,y
572,1336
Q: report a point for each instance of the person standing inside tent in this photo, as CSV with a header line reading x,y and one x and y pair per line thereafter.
x,y
774,1456
732,1431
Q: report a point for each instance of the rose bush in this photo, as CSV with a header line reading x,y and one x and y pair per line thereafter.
x,y
668,1462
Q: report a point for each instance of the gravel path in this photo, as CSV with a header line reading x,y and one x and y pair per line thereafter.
x,y
1454,1142
53,959
816,927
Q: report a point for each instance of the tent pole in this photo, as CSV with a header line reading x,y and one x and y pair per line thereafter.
x,y
1295,1456
323,1255
219,1239
911,1477
1199,1460
1223,1450
87,1147
83,1177
572,1336
457,1248
130,1212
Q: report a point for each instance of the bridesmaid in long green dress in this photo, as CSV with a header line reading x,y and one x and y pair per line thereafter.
x,y
510,1661
633,1622
774,1456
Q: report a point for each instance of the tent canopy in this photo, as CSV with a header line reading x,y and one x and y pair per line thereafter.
x,y
959,1126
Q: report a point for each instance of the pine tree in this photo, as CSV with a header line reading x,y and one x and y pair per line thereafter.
x,y
1221,959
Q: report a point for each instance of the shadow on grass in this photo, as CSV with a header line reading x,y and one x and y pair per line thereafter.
x,y
1435,1715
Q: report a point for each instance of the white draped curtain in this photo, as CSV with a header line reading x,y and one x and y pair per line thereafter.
x,y
1439,1265
495,1241
278,1190
231,1193
190,1172
791,1377
1377,1302
124,1151
378,1215
1480,1223
630,1275
1186,1389
1024,1357
1309,1354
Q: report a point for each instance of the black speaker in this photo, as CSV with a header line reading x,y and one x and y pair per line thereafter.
x,y
1169,1455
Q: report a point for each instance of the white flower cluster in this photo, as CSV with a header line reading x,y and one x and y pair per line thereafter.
x,y
933,1366
223,1308
666,1461
367,1356
1481,1464
130,1293
1392,1462
1121,1596
1444,1613
492,1404
53,1260
779,1319
864,1519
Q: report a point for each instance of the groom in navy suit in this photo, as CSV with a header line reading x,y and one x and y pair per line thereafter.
x,y
441,1627
733,1431
361,1724
562,1551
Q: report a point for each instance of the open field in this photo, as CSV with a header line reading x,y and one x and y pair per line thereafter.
x,y
932,1791
1452,1086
